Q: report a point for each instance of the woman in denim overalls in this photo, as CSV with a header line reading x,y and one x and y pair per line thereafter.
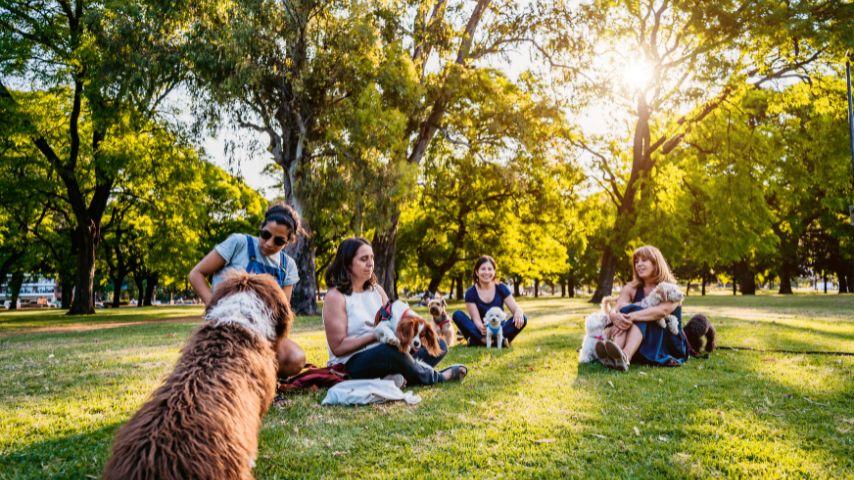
x,y
263,255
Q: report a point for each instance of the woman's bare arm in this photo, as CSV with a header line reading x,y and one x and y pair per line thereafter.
x,y
335,325
655,313
212,263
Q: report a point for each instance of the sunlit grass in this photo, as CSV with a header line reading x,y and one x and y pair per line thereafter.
x,y
527,412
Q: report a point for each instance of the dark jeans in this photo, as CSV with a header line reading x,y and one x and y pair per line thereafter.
x,y
384,359
472,334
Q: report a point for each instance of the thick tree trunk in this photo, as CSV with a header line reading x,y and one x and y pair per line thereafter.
x,y
117,288
15,289
788,267
140,289
151,282
385,245
433,286
516,282
570,288
605,283
562,289
703,286
746,279
86,238
66,292
460,288
824,275
304,295
536,288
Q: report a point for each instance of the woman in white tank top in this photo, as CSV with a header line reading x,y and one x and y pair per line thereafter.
x,y
349,309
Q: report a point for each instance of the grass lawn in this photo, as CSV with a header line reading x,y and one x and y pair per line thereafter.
x,y
527,412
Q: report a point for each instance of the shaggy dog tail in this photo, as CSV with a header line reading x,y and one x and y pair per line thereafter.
x,y
710,338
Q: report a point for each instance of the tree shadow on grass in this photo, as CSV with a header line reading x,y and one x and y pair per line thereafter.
x,y
74,456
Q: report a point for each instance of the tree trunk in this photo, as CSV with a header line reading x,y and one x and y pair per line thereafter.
x,y
688,288
304,294
562,289
117,288
151,282
605,283
433,286
536,288
385,245
788,269
703,286
570,287
86,237
66,292
140,289
516,282
746,279
460,293
824,274
14,289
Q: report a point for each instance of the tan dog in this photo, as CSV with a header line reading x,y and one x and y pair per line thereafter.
x,y
203,422
438,310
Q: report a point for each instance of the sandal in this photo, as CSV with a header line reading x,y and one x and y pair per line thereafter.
x,y
458,372
617,355
602,355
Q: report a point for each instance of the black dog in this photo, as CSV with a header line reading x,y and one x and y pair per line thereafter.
x,y
698,327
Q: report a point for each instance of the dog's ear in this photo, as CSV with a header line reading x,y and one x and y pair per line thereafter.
x,y
444,303
407,328
431,340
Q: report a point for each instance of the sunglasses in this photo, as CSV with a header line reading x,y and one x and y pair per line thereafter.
x,y
279,241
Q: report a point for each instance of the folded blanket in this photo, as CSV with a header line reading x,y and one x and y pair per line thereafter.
x,y
364,392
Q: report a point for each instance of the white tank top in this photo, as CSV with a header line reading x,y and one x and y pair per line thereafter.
x,y
361,308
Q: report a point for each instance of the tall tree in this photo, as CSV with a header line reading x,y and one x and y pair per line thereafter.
x,y
695,56
84,48
294,71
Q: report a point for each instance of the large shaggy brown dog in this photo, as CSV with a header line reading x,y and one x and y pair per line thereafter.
x,y
203,422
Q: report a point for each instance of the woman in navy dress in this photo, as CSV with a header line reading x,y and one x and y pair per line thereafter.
x,y
635,337
483,295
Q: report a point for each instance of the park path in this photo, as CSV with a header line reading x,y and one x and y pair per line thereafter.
x,y
85,327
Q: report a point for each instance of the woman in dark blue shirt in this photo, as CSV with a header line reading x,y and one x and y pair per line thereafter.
x,y
483,295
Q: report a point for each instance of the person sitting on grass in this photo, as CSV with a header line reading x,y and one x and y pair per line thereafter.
x,y
480,297
349,310
635,337
262,255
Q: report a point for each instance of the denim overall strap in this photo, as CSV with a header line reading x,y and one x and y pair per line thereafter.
x,y
254,266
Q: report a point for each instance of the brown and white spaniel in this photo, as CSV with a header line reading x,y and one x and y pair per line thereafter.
x,y
396,324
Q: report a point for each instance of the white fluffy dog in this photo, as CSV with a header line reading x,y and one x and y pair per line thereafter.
x,y
664,292
594,331
493,319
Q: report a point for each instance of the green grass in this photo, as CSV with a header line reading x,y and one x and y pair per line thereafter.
x,y
527,412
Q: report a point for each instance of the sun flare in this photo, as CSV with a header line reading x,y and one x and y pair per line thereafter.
x,y
637,74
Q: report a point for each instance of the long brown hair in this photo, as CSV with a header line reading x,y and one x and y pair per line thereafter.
x,y
338,273
660,270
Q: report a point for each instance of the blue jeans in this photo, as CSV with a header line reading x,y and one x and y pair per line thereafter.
x,y
472,334
384,359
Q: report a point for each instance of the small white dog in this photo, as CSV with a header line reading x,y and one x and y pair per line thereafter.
x,y
594,331
664,292
493,319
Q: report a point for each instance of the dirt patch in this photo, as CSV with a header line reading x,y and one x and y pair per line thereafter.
x,y
85,327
